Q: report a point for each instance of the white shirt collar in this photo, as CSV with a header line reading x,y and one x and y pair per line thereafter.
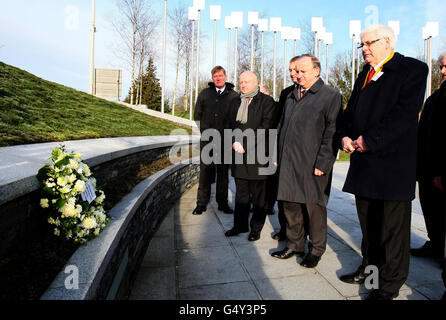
x,y
222,89
381,63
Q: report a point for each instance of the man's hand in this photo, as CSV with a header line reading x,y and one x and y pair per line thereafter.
x,y
347,145
318,172
237,146
360,145
438,183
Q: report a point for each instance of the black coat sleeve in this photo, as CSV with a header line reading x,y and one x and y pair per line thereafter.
x,y
326,155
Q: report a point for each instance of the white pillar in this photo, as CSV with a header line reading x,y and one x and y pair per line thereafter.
x,y
274,65
252,47
214,56
353,61
326,65
163,84
191,72
198,58
235,58
285,63
262,64
228,67
93,30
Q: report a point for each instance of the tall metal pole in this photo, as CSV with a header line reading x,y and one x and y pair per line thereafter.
x,y
285,64
357,62
319,41
235,57
191,71
326,65
198,58
93,30
229,54
295,47
353,61
274,65
163,85
252,47
214,58
315,44
262,62
428,65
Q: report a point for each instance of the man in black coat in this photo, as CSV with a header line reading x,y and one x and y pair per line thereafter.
x,y
273,181
437,149
251,113
211,110
431,198
380,132
306,154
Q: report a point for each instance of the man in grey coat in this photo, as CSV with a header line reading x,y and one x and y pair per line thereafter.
x,y
306,154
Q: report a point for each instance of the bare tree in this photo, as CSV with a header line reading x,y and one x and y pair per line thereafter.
x,y
135,27
181,37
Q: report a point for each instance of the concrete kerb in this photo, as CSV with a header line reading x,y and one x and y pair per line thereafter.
x,y
92,258
20,163
144,109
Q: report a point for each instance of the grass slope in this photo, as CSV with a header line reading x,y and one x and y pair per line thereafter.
x,y
34,110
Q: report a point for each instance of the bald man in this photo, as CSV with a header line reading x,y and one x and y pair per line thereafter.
x,y
252,111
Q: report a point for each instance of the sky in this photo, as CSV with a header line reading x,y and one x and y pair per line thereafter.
x,y
51,38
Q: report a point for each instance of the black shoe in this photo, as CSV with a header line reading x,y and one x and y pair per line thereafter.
x,y
286,253
199,210
425,251
254,236
377,294
357,277
225,209
234,232
310,261
279,236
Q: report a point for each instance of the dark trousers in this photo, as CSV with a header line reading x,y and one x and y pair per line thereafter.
x,y
271,198
444,248
317,226
432,202
385,229
205,181
250,191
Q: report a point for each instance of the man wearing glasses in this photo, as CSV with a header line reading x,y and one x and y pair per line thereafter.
x,y
379,130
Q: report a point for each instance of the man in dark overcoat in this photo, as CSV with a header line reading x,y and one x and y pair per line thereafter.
x,y
273,181
306,154
438,164
432,200
380,132
252,112
211,109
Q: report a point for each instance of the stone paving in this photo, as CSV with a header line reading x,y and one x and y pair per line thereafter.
x,y
191,259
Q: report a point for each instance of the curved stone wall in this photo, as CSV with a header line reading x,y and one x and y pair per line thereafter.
x,y
105,265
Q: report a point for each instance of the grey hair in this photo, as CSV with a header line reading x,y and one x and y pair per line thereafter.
x,y
442,56
383,32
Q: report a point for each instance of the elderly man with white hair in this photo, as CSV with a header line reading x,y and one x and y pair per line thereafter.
x,y
379,130
250,113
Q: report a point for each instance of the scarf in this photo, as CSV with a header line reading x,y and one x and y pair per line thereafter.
x,y
242,114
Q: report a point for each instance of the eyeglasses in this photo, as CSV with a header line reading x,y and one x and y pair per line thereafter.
x,y
368,43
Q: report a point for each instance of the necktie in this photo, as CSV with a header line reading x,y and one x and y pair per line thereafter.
x,y
371,73
219,92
